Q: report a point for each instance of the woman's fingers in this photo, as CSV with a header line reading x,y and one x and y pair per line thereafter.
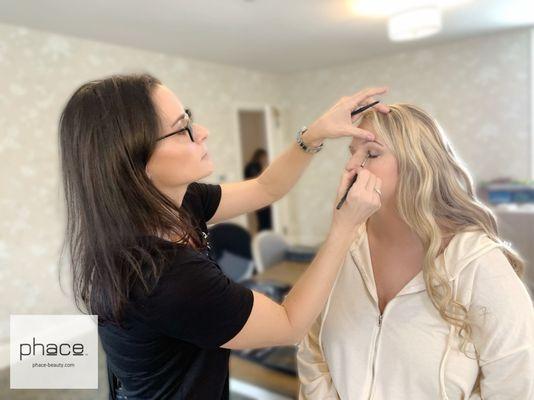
x,y
361,202
371,183
383,108
356,99
360,133
364,98
378,188
337,120
362,182
346,180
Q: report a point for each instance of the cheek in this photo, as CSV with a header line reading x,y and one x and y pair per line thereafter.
x,y
385,168
172,166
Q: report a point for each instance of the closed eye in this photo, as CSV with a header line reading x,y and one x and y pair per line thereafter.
x,y
371,155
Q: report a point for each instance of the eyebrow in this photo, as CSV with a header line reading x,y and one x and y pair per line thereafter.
x,y
351,148
178,119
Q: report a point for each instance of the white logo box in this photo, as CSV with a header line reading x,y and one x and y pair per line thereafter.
x,y
53,352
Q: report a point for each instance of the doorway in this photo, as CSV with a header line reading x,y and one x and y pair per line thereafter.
x,y
253,138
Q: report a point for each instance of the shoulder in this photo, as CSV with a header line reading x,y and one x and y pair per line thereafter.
x,y
494,265
497,291
184,261
480,264
200,190
178,264
481,269
468,250
202,200
494,278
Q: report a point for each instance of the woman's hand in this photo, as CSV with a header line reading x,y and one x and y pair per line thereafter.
x,y
337,121
363,200
271,324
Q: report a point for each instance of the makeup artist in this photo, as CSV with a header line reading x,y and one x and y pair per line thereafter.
x,y
136,232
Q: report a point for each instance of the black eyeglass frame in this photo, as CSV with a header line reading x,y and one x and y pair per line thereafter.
x,y
188,128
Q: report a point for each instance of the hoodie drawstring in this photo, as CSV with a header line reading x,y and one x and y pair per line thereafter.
x,y
447,349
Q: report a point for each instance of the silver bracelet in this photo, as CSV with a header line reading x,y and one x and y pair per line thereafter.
x,y
307,149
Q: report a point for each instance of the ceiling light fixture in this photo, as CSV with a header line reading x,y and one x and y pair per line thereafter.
x,y
386,8
407,19
414,24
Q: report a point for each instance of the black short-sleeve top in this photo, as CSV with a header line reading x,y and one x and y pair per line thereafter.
x,y
169,345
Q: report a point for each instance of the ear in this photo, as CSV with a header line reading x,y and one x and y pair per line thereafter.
x,y
147,173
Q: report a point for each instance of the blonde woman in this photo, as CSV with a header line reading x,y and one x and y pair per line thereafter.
x,y
429,303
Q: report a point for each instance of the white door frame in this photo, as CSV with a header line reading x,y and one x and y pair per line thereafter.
x,y
270,135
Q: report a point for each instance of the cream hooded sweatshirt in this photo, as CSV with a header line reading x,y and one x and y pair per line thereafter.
x,y
409,352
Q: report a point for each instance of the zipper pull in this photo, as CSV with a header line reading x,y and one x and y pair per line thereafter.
x,y
380,320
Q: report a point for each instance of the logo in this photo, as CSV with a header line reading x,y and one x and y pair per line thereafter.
x,y
54,352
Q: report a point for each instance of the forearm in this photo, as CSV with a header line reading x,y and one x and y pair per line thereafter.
x,y
274,324
307,298
284,172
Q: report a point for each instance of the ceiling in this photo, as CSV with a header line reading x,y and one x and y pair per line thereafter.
x,y
268,35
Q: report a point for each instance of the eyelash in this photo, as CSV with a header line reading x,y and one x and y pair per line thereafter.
x,y
371,155
368,154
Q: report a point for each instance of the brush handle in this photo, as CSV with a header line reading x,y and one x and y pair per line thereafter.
x,y
344,198
362,109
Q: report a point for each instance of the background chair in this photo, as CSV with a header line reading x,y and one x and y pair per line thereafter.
x,y
268,248
230,247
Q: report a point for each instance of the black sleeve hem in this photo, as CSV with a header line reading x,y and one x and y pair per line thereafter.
x,y
217,193
247,309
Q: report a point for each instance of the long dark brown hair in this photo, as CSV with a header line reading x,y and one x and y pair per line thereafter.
x,y
107,133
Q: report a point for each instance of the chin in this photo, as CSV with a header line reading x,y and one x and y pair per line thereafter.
x,y
207,172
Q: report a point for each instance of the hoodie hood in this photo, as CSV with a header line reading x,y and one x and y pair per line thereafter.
x,y
464,248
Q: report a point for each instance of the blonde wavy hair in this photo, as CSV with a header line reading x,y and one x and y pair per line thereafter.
x,y
436,198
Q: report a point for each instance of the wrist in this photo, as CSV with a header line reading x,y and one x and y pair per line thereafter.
x,y
310,138
306,145
343,232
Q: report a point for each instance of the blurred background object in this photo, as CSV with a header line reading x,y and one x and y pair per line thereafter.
x,y
258,162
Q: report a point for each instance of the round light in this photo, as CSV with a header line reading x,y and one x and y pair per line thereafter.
x,y
414,24
385,8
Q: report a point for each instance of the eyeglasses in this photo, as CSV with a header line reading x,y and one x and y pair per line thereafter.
x,y
188,127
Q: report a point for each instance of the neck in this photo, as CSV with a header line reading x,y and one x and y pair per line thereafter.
x,y
177,194
387,227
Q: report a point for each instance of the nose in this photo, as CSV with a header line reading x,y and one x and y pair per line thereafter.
x,y
200,133
354,163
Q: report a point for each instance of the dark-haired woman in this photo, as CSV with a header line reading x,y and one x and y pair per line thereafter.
x,y
136,235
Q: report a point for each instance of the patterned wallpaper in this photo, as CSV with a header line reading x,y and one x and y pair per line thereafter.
x,y
477,88
39,72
